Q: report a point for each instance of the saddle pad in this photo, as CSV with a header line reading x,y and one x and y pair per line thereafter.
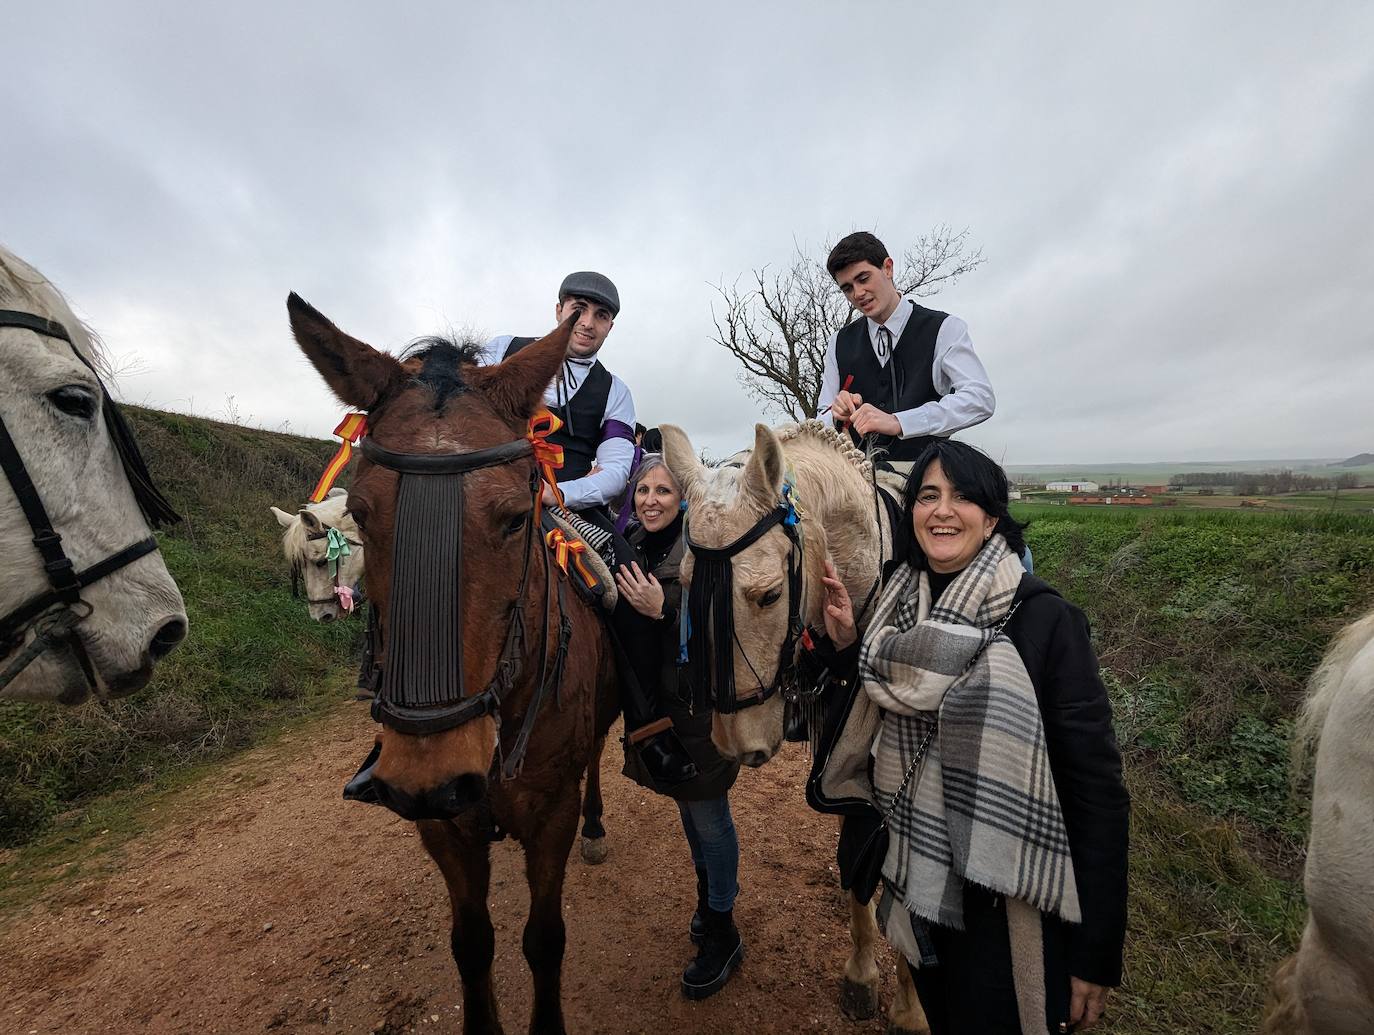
x,y
605,593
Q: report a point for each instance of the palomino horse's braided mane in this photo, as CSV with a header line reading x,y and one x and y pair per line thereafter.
x,y
823,434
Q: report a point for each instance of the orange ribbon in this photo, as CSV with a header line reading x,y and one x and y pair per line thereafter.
x,y
350,429
547,455
565,550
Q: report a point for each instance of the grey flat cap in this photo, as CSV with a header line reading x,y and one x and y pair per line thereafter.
x,y
591,285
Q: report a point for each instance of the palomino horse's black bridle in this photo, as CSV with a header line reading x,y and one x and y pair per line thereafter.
x,y
55,615
421,686
712,639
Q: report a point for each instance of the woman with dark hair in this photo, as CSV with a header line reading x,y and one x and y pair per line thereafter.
x,y
981,733
651,587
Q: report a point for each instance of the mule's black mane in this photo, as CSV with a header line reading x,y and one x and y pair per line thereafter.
x,y
441,362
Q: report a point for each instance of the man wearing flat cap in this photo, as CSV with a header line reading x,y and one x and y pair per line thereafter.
x,y
595,406
598,440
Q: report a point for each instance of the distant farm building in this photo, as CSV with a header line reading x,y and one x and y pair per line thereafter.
x,y
1155,490
1120,501
1072,486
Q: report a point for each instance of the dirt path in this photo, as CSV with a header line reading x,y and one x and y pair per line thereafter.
x,y
275,906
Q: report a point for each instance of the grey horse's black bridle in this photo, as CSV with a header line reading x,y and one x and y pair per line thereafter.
x,y
55,615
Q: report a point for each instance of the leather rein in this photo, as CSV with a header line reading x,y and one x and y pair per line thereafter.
x,y
54,616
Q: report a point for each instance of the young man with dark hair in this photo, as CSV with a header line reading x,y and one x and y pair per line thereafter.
x,y
598,440
595,406
904,374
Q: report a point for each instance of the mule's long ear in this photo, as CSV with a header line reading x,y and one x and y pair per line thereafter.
x,y
356,372
283,518
516,387
681,459
763,474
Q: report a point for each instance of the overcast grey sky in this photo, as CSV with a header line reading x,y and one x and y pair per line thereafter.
x,y
1174,199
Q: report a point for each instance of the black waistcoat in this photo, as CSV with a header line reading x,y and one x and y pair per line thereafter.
x,y
906,381
582,417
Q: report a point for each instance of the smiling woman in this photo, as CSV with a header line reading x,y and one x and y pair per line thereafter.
x,y
1022,898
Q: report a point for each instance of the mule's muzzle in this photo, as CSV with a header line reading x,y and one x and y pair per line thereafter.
x,y
361,787
445,801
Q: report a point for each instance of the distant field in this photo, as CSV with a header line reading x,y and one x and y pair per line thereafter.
x,y
1347,501
1160,473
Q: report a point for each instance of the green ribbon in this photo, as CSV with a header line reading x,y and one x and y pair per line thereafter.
x,y
336,547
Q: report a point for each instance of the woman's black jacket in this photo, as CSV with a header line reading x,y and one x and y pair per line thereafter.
x,y
1052,637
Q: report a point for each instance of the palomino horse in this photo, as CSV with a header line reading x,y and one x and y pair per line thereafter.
x,y
307,539
445,498
86,604
1327,987
830,484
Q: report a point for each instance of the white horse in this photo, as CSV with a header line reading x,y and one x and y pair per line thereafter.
x,y
54,409
305,542
831,484
1327,987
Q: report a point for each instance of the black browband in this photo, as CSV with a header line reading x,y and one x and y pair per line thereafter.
x,y
446,463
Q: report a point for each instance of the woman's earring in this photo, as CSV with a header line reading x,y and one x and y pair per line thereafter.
x,y
681,504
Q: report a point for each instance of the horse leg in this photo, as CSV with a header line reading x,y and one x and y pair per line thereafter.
x,y
546,859
594,847
906,1016
859,989
466,867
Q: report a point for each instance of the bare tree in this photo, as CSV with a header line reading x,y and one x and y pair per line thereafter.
x,y
777,322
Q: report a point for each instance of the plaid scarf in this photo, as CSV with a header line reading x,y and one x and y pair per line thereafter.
x,y
982,806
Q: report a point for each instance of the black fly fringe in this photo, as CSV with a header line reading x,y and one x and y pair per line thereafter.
x,y
154,505
424,659
710,638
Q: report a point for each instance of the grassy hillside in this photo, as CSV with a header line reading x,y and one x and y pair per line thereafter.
x,y
253,659
1207,625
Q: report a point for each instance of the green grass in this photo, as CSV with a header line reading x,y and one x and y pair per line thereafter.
x,y
1208,624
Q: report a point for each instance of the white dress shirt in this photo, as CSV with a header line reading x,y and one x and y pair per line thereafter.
x,y
613,455
966,394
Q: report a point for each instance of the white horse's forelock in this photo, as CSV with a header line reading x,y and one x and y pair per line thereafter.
x,y
23,288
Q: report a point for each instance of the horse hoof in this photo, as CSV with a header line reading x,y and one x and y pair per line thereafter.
x,y
858,1002
595,850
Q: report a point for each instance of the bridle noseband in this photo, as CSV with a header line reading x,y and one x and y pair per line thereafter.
x,y
711,635
421,685
55,615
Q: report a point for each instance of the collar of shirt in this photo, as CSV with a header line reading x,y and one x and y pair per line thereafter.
x,y
896,323
568,380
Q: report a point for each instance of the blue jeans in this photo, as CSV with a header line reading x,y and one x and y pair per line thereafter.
x,y
715,847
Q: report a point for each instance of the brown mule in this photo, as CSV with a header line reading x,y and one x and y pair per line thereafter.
x,y
506,759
